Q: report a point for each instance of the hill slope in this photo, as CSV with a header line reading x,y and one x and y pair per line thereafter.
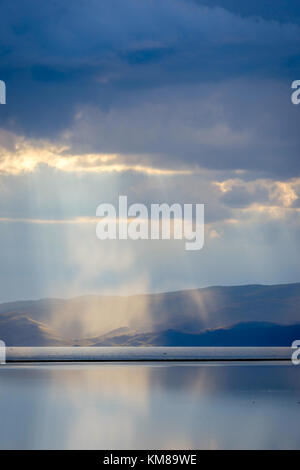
x,y
238,315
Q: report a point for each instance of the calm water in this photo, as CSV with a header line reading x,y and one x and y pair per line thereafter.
x,y
152,406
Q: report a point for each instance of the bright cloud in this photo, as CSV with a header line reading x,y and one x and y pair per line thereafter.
x,y
25,155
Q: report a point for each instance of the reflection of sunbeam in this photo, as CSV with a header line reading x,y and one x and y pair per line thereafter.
x,y
115,399
119,406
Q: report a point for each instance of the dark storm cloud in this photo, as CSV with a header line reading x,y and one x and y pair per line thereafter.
x,y
279,10
237,124
131,68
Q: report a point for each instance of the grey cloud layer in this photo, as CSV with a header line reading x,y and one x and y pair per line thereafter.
x,y
57,57
85,32
237,124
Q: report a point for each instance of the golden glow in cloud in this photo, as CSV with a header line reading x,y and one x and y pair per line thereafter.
x,y
279,194
19,155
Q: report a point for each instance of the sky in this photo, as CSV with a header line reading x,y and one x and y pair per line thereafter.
x,y
176,101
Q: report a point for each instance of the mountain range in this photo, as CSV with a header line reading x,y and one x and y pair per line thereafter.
x,y
251,315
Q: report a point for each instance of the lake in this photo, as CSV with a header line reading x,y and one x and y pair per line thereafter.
x,y
172,405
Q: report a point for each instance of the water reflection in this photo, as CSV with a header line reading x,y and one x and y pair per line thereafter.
x,y
115,406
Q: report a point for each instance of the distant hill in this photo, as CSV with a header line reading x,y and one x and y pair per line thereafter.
x,y
251,315
20,330
241,334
